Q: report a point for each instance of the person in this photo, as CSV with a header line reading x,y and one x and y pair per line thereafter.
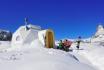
x,y
67,45
60,46
78,42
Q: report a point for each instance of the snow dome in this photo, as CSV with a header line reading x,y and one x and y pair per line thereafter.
x,y
25,35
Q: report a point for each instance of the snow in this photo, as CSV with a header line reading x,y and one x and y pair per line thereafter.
x,y
36,57
100,30
95,56
90,53
99,35
4,44
22,36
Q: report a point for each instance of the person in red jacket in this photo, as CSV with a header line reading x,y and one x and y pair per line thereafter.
x,y
67,44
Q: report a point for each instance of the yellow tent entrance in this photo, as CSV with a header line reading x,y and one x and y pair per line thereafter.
x,y
49,40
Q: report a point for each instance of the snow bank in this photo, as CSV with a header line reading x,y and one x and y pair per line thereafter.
x,y
35,57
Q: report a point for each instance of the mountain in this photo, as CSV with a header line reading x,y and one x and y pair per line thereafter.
x,y
5,35
99,34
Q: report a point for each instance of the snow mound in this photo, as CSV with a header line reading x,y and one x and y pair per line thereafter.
x,y
33,58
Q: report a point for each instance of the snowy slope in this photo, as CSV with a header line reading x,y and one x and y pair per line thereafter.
x,y
94,53
39,58
90,53
4,44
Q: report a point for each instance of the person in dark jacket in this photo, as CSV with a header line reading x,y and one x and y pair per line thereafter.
x,y
78,42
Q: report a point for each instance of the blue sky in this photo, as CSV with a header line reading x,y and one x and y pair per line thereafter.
x,y
68,18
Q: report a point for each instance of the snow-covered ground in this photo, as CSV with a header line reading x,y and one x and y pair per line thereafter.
x,y
94,53
36,57
4,45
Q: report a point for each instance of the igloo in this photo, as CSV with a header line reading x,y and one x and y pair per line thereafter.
x,y
25,35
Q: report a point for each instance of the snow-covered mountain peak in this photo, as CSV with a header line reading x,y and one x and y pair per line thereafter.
x,y
99,35
100,30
